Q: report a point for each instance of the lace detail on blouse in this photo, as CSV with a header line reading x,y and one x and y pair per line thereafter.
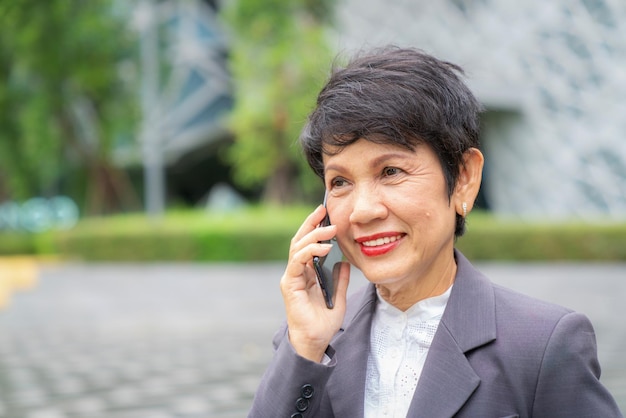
x,y
399,344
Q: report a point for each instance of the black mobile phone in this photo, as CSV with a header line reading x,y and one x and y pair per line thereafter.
x,y
327,267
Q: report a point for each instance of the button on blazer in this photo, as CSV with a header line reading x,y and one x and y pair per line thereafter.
x,y
496,353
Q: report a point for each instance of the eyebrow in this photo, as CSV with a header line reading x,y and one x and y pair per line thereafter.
x,y
389,156
376,162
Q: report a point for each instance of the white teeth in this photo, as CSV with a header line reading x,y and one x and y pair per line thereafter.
x,y
381,241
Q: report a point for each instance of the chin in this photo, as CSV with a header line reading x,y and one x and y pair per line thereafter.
x,y
379,275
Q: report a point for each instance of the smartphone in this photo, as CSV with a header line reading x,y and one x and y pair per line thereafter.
x,y
327,267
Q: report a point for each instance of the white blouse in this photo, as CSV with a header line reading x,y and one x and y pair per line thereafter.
x,y
399,344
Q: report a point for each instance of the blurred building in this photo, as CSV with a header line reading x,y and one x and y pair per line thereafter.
x,y
552,76
186,94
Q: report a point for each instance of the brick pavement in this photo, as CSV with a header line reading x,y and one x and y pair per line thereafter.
x,y
129,341
191,340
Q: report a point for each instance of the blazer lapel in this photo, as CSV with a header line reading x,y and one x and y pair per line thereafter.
x,y
345,389
448,380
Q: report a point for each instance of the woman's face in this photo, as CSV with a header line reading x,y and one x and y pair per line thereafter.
x,y
390,204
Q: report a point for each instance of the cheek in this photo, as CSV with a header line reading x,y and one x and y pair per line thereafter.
x,y
339,215
342,220
346,242
427,210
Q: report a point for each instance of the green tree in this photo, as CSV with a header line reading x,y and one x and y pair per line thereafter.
x,y
279,60
63,102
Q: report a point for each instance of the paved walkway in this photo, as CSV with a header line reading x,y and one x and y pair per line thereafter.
x,y
191,340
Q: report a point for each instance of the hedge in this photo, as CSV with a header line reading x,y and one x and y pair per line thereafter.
x,y
260,234
544,242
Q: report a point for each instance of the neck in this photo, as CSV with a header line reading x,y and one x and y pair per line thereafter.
x,y
425,286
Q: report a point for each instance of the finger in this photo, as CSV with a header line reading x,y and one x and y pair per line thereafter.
x,y
304,257
314,238
299,261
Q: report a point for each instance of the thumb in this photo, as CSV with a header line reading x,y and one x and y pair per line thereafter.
x,y
343,281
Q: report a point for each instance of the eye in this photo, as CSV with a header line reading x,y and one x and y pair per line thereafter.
x,y
338,182
390,171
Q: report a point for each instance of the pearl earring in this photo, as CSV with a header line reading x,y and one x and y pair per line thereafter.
x,y
464,206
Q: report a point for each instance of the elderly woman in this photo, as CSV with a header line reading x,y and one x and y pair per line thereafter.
x,y
394,136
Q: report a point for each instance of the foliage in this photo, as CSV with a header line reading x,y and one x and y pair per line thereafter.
x,y
257,233
18,243
279,60
492,238
264,233
62,100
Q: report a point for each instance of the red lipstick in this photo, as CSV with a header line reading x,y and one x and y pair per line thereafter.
x,y
379,244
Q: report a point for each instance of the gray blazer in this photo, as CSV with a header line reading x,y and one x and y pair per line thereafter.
x,y
496,353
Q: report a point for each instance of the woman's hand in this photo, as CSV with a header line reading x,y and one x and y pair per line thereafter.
x,y
311,324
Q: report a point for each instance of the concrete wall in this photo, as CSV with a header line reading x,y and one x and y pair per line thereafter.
x,y
551,74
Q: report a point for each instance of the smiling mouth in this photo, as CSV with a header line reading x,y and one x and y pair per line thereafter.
x,y
381,241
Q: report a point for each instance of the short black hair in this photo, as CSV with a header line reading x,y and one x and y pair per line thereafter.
x,y
400,96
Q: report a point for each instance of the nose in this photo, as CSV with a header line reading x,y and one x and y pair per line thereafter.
x,y
367,205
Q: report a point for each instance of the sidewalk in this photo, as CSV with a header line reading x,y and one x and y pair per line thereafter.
x,y
191,340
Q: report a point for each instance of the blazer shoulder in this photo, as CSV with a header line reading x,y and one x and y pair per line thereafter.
x,y
481,289
526,325
512,302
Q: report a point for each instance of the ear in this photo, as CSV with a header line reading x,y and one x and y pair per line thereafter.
x,y
468,182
